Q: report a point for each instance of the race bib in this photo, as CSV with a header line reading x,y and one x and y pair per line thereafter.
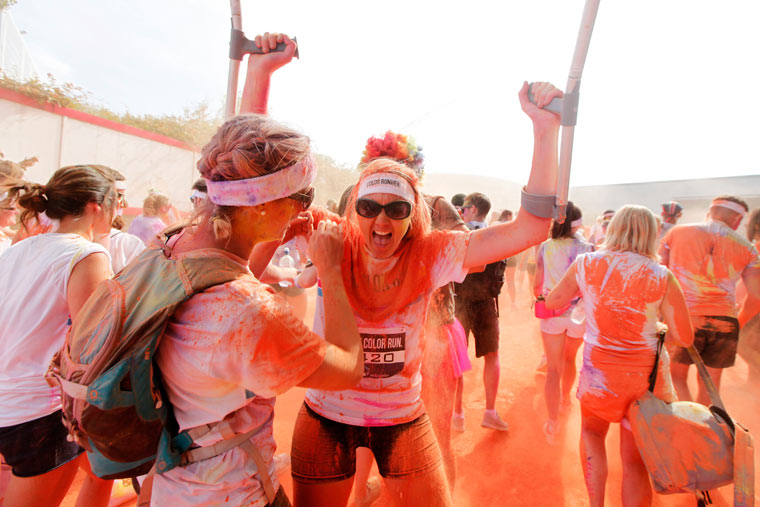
x,y
384,352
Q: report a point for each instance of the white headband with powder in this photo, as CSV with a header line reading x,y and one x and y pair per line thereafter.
x,y
261,189
577,223
197,194
121,186
386,183
735,207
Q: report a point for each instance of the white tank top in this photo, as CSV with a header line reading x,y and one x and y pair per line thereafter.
x,y
34,318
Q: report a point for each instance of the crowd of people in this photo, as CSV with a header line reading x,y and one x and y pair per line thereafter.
x,y
403,279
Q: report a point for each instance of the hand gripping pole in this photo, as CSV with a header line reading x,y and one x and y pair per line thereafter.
x,y
239,47
567,107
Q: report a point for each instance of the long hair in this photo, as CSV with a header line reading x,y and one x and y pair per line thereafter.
x,y
565,229
245,147
67,192
632,229
420,223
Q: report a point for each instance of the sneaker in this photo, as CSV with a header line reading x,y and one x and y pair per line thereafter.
x,y
493,421
541,368
551,430
373,489
457,422
281,463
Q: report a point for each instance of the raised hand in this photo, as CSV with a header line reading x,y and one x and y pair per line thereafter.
x,y
543,93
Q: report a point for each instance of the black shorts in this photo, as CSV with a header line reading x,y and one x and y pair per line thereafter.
x,y
36,447
715,338
324,450
481,318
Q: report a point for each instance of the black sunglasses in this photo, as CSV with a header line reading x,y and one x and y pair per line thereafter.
x,y
305,198
396,210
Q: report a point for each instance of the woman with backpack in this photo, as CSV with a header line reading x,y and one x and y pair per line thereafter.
x,y
624,288
562,331
44,282
229,350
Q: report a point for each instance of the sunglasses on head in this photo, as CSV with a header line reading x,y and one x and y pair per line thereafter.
x,y
396,210
305,197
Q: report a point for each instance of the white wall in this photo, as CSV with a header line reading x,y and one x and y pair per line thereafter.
x,y
58,141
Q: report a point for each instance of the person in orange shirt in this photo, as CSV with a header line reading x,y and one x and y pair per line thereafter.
x,y
623,290
708,259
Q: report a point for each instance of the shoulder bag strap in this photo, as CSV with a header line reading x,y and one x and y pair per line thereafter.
x,y
653,375
744,468
706,379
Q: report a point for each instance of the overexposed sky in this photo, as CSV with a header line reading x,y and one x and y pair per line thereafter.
x,y
668,90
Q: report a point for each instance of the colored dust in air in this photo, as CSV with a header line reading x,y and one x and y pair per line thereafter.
x,y
518,468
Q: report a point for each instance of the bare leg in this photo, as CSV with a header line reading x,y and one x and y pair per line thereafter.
x,y
431,487
42,490
95,491
704,397
637,490
458,395
680,373
568,373
554,347
491,371
328,494
438,393
594,456
364,458
753,378
509,278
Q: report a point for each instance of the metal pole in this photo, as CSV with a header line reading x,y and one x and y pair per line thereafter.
x,y
567,107
232,77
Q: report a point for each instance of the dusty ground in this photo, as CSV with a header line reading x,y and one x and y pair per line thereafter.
x,y
518,468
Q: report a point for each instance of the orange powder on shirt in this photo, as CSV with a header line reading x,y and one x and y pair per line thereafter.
x,y
708,259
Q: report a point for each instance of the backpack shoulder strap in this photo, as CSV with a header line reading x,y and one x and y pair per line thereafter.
x,y
230,441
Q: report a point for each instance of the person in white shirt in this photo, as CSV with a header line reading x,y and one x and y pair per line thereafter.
x,y
44,282
122,246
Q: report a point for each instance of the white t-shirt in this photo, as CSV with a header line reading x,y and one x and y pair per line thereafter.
x,y
123,247
229,351
34,318
389,393
556,256
5,242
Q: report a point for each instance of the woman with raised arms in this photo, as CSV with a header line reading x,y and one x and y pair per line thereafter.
x,y
391,264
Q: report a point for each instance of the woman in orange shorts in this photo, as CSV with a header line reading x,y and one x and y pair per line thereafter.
x,y
624,289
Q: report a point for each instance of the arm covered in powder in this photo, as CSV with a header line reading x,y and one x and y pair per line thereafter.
x,y
343,366
751,304
676,315
565,291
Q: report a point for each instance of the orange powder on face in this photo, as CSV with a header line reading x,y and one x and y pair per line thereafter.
x,y
379,288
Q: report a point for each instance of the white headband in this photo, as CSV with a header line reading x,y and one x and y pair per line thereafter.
x,y
273,186
386,183
121,186
735,207
578,222
198,194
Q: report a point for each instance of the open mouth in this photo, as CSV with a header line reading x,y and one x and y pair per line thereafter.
x,y
381,239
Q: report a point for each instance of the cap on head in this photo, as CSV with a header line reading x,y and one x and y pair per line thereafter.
x,y
671,208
